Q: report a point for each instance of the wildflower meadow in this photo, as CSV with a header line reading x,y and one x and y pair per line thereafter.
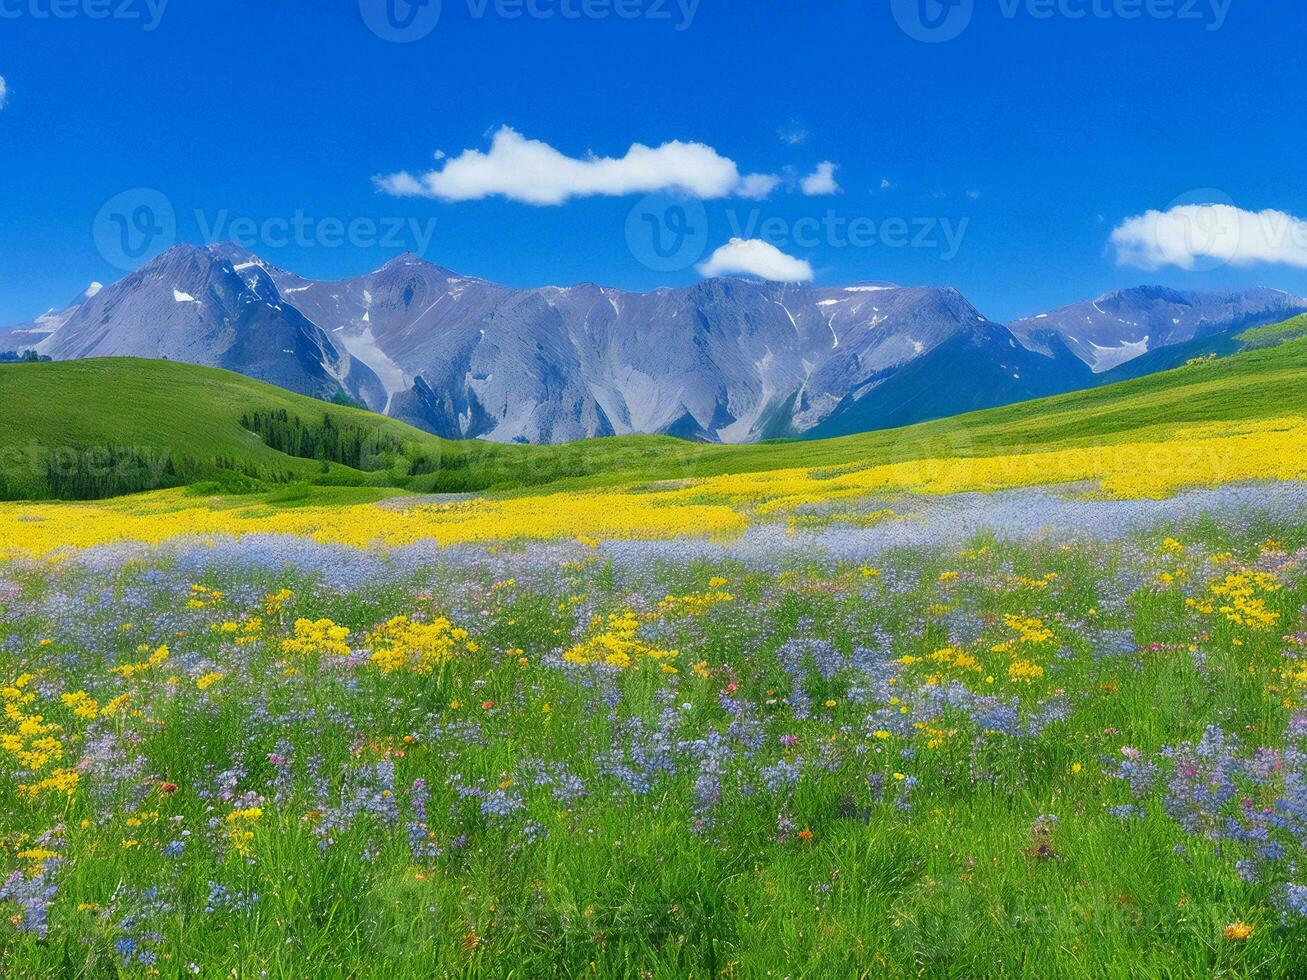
x,y
999,736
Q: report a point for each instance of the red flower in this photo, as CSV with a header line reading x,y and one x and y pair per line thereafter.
x,y
167,787
487,705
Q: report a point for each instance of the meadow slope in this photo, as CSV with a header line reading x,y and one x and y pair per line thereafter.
x,y
193,416
992,696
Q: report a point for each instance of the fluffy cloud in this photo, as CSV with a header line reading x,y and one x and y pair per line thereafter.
x,y
1188,233
754,257
535,173
4,91
757,186
820,181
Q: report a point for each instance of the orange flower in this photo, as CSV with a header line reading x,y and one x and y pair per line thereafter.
x,y
487,705
1238,930
805,834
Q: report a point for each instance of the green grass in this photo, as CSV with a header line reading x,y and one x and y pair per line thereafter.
x,y
192,416
944,879
1276,333
71,413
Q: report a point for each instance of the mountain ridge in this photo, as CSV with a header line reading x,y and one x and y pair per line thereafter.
x,y
723,360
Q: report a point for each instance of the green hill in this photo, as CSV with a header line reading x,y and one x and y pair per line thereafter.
x,y
102,427
84,429
1276,333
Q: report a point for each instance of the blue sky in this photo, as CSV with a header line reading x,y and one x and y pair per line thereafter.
x,y
1002,159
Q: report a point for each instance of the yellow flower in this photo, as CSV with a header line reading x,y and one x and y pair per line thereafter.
x,y
317,637
404,644
1023,671
132,669
617,644
1238,931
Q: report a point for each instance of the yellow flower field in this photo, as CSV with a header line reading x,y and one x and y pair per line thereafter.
x,y
721,506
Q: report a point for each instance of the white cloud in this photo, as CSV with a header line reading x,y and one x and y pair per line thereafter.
x,y
885,184
974,195
821,180
1190,232
535,173
4,91
757,186
754,257
792,133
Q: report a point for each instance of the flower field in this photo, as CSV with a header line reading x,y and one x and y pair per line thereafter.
x,y
724,506
1069,751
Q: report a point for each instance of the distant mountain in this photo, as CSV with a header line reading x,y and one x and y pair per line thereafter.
x,y
982,367
28,335
1119,327
194,305
725,360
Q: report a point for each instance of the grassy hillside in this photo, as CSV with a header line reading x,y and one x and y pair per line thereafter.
x,y
1249,386
100,427
94,428
1276,333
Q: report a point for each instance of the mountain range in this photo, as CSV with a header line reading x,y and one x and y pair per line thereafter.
x,y
725,360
